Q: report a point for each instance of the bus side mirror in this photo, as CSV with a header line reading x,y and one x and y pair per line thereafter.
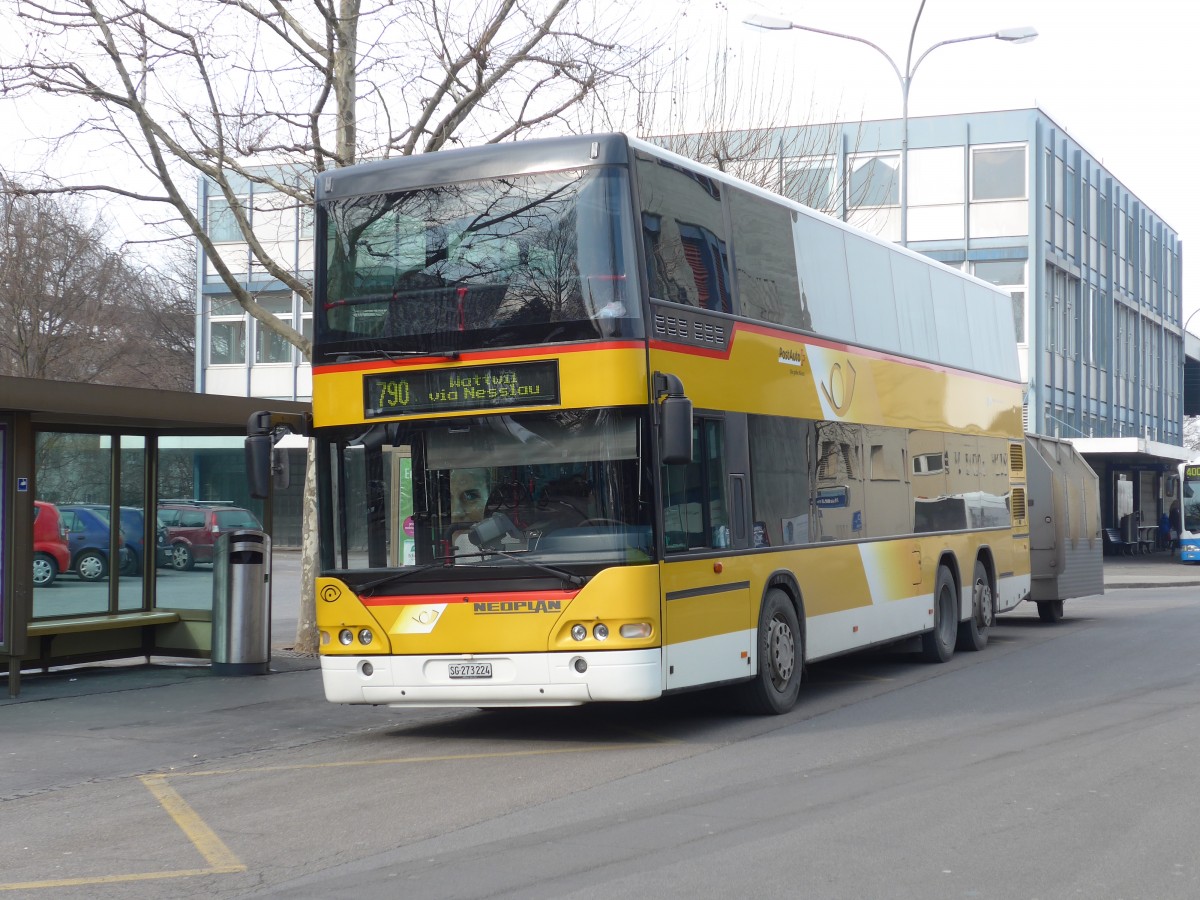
x,y
259,452
674,420
281,471
263,461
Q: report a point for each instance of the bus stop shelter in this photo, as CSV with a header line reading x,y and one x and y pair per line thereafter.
x,y
75,458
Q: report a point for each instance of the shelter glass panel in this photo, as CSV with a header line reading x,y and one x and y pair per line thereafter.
x,y
73,477
202,494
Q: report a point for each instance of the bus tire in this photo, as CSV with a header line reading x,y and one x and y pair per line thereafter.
x,y
774,689
1050,611
973,633
937,644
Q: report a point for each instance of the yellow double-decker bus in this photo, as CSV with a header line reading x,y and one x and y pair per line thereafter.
x,y
596,423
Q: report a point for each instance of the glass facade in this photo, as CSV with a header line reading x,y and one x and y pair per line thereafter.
x,y
236,354
1094,275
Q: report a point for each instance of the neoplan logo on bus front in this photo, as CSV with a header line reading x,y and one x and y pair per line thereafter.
x,y
511,607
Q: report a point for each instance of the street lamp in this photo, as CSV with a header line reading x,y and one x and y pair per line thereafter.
x,y
1011,35
1188,321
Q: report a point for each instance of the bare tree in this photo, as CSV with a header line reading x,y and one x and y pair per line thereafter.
x,y
73,309
163,313
212,87
726,114
217,89
1191,432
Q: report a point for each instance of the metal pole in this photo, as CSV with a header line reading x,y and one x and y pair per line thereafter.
x,y
904,83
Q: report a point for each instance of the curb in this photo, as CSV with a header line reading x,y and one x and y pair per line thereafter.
x,y
1123,585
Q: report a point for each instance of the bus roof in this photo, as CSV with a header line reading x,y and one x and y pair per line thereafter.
x,y
470,163
548,155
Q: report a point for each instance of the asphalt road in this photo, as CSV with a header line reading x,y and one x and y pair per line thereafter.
x,y
1060,761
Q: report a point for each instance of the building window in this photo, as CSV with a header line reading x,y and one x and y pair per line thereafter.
x,y
222,227
998,173
812,182
1010,275
270,347
875,181
227,343
226,332
1071,192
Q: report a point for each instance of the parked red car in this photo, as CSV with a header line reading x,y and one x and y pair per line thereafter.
x,y
50,553
193,527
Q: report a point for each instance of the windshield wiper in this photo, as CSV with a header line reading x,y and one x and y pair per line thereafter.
x,y
448,562
569,577
397,354
366,589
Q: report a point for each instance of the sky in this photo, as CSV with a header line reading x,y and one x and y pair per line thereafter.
x,y
1122,78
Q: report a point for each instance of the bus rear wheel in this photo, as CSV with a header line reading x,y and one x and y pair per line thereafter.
x,y
774,689
937,645
973,633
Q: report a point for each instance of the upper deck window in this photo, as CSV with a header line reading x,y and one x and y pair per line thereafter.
x,y
507,261
683,230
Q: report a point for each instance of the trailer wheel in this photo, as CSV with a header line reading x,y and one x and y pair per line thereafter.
x,y
937,645
973,633
1050,611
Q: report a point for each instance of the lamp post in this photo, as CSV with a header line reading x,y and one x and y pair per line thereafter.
x,y
1188,320
1011,35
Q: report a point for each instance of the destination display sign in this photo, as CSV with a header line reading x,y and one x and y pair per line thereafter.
x,y
449,390
1191,473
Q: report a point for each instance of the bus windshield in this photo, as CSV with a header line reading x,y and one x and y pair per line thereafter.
x,y
517,260
546,488
1190,489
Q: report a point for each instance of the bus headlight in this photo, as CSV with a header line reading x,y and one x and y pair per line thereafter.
x,y
600,632
365,637
578,632
636,630
346,636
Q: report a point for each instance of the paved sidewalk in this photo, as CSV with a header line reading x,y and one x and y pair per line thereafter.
x,y
1149,570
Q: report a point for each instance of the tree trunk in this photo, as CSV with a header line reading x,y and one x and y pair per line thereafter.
x,y
307,636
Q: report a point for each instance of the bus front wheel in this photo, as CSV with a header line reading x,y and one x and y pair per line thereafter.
x,y
937,646
780,658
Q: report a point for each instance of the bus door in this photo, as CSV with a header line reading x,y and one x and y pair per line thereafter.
x,y
708,627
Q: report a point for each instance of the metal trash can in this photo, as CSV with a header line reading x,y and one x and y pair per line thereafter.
x,y
241,613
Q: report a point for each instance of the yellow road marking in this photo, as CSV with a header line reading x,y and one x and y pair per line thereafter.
x,y
221,859
112,879
205,840
450,757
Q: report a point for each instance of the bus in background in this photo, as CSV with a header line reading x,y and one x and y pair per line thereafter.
x,y
1186,518
596,423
